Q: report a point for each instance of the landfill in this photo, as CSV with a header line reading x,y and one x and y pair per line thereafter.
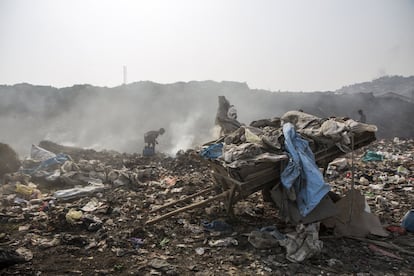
x,y
68,210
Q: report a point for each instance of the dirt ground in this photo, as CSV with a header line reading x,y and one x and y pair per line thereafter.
x,y
122,244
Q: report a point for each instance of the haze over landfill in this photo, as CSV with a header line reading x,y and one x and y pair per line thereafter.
x,y
204,48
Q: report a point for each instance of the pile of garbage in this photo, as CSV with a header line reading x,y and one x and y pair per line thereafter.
x,y
383,174
86,215
53,193
300,191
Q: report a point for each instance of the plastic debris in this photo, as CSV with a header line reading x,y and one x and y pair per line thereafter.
x,y
380,251
213,151
91,206
396,229
25,253
114,225
372,156
74,193
136,242
92,222
217,225
200,250
262,240
223,242
402,170
73,216
302,244
408,221
164,242
28,191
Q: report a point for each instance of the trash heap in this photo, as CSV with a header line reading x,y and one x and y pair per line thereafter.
x,y
383,174
56,202
296,143
85,214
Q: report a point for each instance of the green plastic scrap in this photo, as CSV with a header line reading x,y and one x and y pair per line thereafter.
x,y
164,242
372,156
402,170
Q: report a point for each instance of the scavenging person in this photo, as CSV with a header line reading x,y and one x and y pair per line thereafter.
x,y
226,116
150,137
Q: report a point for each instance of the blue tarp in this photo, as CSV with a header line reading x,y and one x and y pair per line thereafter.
x,y
408,221
58,159
372,156
302,172
213,151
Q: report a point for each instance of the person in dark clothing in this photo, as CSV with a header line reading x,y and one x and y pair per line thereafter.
x,y
226,123
362,117
150,137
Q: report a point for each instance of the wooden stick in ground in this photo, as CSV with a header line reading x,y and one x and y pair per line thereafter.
x,y
388,245
181,200
189,207
230,200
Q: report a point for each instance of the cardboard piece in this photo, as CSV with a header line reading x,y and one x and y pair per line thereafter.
x,y
353,220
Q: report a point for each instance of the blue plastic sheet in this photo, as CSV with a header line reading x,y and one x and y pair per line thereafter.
x,y
213,151
58,159
217,225
372,156
302,173
408,221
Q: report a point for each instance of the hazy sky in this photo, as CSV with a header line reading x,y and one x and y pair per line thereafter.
x,y
277,45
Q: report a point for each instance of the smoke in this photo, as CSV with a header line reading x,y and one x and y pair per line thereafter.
x,y
215,132
117,118
190,133
183,136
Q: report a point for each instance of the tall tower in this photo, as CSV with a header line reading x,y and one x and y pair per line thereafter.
x,y
125,75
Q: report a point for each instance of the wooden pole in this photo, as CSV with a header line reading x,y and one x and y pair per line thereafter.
x,y
181,200
189,207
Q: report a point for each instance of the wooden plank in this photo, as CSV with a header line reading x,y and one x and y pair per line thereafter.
x,y
181,200
189,207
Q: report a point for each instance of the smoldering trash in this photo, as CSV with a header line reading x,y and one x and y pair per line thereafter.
x,y
262,199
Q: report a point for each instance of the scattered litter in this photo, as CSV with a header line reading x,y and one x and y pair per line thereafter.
x,y
159,263
302,244
262,240
25,253
170,181
200,250
164,242
408,221
383,252
335,263
223,242
372,156
73,216
136,242
74,193
217,225
267,237
92,205
396,229
110,218
213,151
